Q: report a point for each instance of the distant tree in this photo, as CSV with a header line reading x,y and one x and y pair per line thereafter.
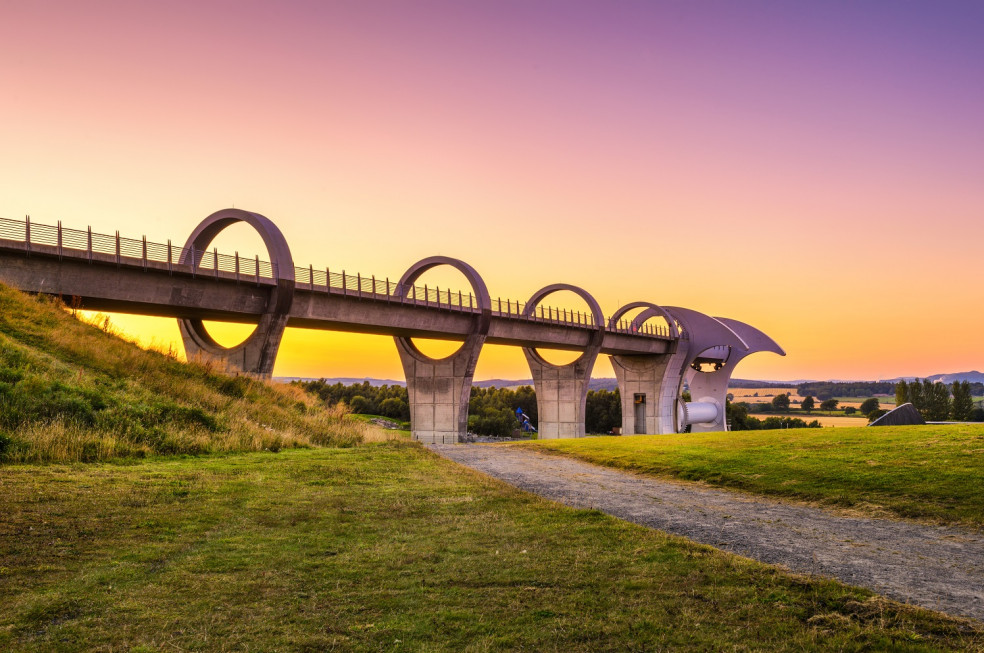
x,y
901,393
360,404
937,397
915,395
808,404
850,410
869,405
394,407
963,402
829,404
876,413
780,403
977,415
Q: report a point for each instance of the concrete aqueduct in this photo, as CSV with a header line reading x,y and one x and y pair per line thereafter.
x,y
192,283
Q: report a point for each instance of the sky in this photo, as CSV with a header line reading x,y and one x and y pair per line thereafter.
x,y
813,169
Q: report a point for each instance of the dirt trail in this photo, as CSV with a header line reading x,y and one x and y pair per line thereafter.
x,y
937,568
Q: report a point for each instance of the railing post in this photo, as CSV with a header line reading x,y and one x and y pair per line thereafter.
x,y
27,233
358,283
169,268
215,261
257,269
426,296
194,260
388,296
144,253
237,266
88,244
311,272
117,248
413,289
59,240
374,284
328,279
344,283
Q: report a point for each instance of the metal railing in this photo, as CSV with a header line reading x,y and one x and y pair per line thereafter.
x,y
77,244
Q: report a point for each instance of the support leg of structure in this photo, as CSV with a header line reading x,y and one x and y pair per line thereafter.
x,y
649,390
439,390
710,388
255,356
561,395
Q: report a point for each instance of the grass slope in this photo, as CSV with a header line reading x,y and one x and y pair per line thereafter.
x,y
388,547
72,392
925,472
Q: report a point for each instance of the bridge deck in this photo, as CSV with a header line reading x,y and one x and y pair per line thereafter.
x,y
144,278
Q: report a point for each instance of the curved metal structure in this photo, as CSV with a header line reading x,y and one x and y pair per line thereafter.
x,y
103,272
653,310
712,386
256,354
562,390
439,389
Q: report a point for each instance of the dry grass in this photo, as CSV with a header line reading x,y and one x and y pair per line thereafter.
x,y
71,391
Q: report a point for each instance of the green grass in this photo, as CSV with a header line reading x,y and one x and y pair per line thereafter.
x,y
925,472
387,547
69,391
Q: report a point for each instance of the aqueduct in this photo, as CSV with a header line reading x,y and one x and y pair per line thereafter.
x,y
193,283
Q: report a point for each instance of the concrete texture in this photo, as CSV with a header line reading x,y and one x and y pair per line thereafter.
x,y
562,390
257,354
439,390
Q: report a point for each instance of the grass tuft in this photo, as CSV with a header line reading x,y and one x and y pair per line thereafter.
x,y
71,392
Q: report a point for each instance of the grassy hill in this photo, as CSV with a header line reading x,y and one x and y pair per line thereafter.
x,y
70,392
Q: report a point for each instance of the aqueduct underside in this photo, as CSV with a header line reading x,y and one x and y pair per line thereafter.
x,y
655,350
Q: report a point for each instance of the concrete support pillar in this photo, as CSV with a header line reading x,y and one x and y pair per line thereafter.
x,y
712,386
439,390
561,395
647,378
562,390
647,384
257,354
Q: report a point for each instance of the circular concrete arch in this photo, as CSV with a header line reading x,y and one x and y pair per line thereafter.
x,y
654,310
597,314
477,284
281,261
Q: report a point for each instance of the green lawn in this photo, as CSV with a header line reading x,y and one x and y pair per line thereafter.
x,y
387,547
925,472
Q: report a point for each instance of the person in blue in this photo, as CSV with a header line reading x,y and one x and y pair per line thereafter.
x,y
524,421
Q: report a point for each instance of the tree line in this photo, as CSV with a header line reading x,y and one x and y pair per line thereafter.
x,y
492,411
938,402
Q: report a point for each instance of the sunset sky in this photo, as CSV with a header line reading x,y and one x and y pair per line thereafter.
x,y
815,169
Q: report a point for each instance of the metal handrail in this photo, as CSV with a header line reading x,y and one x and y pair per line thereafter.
x,y
74,243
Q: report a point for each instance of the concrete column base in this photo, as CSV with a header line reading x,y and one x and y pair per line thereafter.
x,y
439,390
561,395
652,377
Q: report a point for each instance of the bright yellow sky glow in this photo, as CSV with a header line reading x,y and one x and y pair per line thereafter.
x,y
778,165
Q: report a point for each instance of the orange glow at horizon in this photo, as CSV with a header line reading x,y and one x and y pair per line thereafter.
x,y
813,170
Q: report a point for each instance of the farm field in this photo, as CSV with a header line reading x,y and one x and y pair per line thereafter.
x,y
934,473
387,546
765,395
824,419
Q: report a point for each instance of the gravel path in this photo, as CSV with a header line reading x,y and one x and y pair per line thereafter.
x,y
937,568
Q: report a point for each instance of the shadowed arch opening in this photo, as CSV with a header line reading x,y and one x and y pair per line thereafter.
x,y
478,301
597,317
